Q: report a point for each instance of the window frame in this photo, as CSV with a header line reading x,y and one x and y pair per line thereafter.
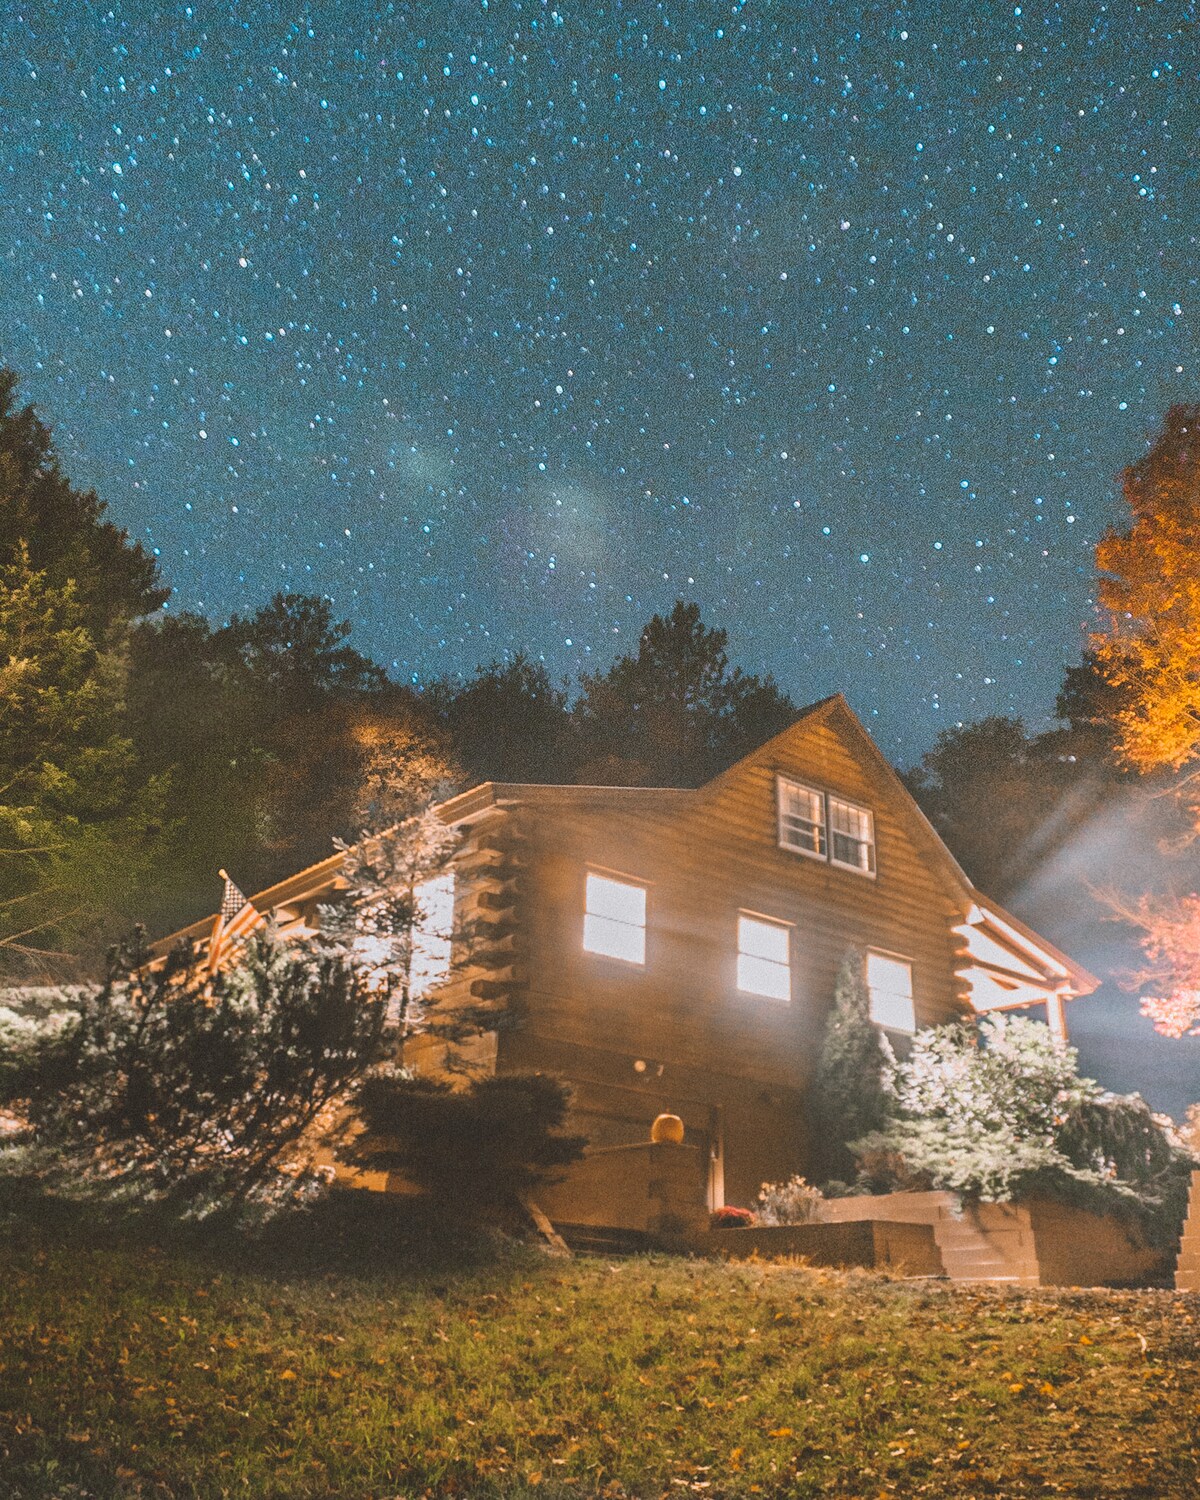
x,y
825,854
843,864
763,921
782,782
631,882
899,958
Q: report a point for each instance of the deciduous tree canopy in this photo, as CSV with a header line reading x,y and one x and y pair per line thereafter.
x,y
1150,587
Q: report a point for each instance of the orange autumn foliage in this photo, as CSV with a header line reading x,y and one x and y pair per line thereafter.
x,y
1150,651
1150,588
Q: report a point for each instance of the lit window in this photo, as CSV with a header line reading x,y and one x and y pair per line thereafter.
x,y
763,966
433,926
614,922
801,818
851,836
889,981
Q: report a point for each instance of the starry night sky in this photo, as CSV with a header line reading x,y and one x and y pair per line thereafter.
x,y
504,325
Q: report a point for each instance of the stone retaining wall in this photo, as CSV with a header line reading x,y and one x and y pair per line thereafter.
x,y
907,1249
1036,1243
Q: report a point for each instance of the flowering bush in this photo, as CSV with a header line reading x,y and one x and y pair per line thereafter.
x,y
731,1218
792,1202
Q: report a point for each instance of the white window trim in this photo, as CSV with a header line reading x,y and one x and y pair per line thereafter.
x,y
901,958
782,781
765,921
827,857
843,864
617,878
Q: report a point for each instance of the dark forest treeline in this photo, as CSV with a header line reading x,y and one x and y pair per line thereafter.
x,y
141,750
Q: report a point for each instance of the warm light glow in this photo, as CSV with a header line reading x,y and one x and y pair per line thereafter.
x,y
763,966
614,923
431,939
890,983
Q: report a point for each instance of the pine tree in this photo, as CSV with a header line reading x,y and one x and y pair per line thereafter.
x,y
851,1094
676,713
77,820
174,1083
65,531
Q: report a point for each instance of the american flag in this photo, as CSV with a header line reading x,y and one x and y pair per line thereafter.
x,y
237,918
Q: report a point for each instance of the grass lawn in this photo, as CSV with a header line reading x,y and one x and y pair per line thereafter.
x,y
350,1363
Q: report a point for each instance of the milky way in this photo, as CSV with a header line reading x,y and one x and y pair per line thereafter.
x,y
504,325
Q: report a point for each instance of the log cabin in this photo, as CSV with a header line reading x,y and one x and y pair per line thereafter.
x,y
677,950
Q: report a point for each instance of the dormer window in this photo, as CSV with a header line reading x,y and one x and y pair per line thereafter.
x,y
825,826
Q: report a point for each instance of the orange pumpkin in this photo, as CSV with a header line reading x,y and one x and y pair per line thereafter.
x,y
667,1130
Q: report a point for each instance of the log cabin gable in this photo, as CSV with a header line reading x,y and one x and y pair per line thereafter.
x,y
725,896
828,752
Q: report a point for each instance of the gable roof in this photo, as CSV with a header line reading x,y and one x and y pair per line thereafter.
x,y
835,709
325,876
977,907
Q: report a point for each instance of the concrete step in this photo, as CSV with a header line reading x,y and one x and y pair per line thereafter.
x,y
599,1239
1001,1280
963,1235
988,1267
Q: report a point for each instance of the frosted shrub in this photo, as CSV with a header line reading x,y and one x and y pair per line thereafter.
x,y
792,1202
999,1109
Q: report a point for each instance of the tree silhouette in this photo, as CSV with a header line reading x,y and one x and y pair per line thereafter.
x,y
674,714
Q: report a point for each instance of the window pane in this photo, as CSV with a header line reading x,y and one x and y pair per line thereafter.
x,y
801,818
616,899
891,974
893,1011
763,939
614,939
852,839
759,976
890,983
763,958
433,925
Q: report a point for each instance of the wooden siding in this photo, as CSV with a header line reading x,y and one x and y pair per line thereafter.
x,y
675,1033
704,857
